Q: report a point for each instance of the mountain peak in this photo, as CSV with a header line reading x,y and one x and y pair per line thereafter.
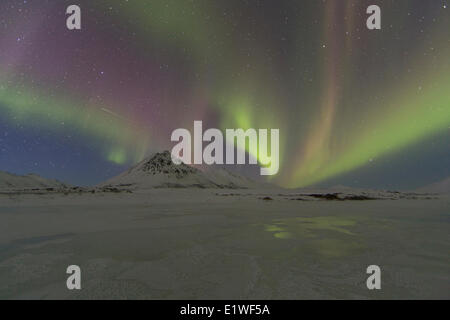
x,y
158,171
162,163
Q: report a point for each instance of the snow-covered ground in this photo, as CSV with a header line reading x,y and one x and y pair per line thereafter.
x,y
228,244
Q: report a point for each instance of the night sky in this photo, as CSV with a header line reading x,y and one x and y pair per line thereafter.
x,y
354,107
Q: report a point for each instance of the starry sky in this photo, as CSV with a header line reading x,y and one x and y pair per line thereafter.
x,y
357,107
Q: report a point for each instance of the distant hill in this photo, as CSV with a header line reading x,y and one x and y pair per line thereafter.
x,y
438,187
10,182
158,171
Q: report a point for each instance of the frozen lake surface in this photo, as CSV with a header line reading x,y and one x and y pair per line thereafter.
x,y
215,244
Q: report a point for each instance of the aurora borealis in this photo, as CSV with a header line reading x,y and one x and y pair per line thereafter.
x,y
354,107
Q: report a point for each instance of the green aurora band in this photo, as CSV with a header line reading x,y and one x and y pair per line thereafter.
x,y
245,97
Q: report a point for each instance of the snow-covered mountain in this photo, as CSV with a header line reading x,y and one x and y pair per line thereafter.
x,y
158,171
10,182
438,187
